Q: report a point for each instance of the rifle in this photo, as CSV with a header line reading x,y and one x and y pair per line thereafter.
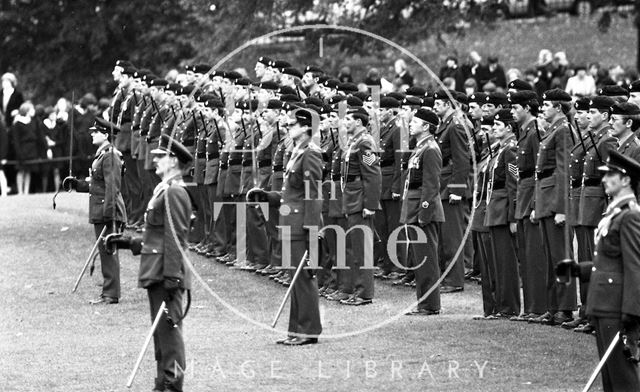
x,y
535,123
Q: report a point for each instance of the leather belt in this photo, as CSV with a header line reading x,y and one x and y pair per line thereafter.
x,y
545,173
335,177
223,166
264,163
414,185
278,168
351,178
246,162
525,173
201,155
235,162
576,183
498,185
387,162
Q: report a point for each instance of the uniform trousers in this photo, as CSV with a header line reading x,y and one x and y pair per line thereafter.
x,y
560,297
586,246
361,270
304,313
451,234
487,265
337,278
618,374
506,262
109,264
167,339
423,257
387,220
533,268
216,236
257,244
275,245
132,189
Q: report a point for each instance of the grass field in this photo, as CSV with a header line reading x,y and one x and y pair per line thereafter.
x,y
52,340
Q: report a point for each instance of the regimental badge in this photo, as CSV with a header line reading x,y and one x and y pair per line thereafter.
x,y
513,169
369,158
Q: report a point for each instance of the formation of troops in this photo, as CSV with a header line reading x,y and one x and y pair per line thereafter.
x,y
297,167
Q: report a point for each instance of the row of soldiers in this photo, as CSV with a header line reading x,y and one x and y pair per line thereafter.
x,y
531,151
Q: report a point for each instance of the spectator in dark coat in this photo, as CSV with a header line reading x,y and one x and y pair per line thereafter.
x,y
495,74
451,70
84,117
57,135
4,148
28,143
402,72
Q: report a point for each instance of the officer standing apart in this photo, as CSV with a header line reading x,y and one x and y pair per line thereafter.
x,y
163,271
106,206
300,216
612,303
422,209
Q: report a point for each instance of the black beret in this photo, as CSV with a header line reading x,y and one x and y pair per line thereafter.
x,y
315,108
265,60
363,95
389,102
428,102
477,97
395,95
161,83
323,78
445,95
326,109
634,87
129,70
201,68
354,102
416,91
217,72
556,94
168,145
314,101
411,101
335,99
214,103
428,116
360,114
124,63
622,163
186,90
205,97
292,71
268,85
175,87
149,77
497,98
280,64
601,102
613,91
242,82
520,85
625,109
304,117
251,105
504,115
582,103
274,104
332,83
103,126
461,97
141,73
287,90
313,69
524,97
347,87
232,75
290,98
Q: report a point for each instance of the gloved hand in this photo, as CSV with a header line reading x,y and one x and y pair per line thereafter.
x,y
257,195
69,183
630,322
567,267
120,241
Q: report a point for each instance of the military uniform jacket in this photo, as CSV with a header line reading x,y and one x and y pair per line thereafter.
x,y
279,147
422,185
214,145
162,247
528,146
576,167
335,200
153,137
123,138
140,106
300,198
390,150
502,186
105,198
614,286
264,155
630,147
234,172
360,175
551,170
482,177
593,199
327,146
456,158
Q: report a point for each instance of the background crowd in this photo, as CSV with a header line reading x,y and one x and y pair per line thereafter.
x,y
35,138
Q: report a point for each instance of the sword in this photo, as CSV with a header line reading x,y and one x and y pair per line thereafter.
x,y
303,262
156,321
603,360
86,264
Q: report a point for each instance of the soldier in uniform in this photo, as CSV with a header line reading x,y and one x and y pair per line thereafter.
x,y
301,213
106,206
422,210
614,275
550,205
361,188
524,108
625,121
456,166
387,219
163,270
500,216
